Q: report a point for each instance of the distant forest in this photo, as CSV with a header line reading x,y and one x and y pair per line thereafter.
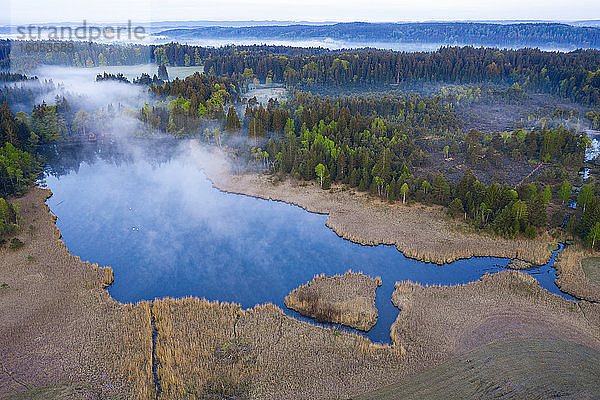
x,y
459,33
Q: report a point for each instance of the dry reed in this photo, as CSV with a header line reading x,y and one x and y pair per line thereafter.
x,y
570,275
347,299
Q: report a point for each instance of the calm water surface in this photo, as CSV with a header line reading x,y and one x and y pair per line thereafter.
x,y
148,210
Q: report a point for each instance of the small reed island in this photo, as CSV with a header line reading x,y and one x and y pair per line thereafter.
x,y
347,299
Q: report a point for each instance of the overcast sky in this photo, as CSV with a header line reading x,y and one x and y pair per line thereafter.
x,y
38,11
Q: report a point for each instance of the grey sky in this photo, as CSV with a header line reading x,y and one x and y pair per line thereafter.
x,y
30,11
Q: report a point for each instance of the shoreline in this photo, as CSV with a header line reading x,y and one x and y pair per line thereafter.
x,y
419,232
570,276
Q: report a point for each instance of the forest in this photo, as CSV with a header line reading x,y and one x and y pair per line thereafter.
x,y
18,168
574,75
384,143
397,144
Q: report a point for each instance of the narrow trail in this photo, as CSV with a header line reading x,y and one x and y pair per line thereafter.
x,y
531,173
7,372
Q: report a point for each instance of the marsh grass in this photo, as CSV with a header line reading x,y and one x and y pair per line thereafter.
x,y
214,350
439,321
310,304
571,275
347,299
197,351
109,276
134,355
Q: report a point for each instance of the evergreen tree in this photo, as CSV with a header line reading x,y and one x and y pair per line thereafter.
x,y
456,209
162,72
537,211
232,122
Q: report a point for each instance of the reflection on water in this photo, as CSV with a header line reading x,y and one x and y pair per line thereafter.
x,y
147,210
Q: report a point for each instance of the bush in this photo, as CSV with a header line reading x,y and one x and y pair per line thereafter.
x,y
16,243
530,232
456,209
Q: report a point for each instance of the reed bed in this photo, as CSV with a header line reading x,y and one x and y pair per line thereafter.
x,y
197,351
218,350
440,321
133,352
347,299
570,275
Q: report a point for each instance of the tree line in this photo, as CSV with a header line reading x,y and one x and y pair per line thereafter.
x,y
574,75
489,34
330,140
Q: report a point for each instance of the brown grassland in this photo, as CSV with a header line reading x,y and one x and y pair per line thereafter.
x,y
441,321
347,299
63,337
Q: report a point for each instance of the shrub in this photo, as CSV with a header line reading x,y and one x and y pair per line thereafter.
x,y
16,243
456,209
530,232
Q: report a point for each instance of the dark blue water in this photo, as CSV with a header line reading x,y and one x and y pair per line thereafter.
x,y
167,232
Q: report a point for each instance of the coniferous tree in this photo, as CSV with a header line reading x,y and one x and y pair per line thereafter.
x,y
232,122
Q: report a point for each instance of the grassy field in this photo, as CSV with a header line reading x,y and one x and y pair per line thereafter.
x,y
591,268
443,321
519,369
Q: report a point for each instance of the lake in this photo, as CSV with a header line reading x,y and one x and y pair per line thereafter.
x,y
147,209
